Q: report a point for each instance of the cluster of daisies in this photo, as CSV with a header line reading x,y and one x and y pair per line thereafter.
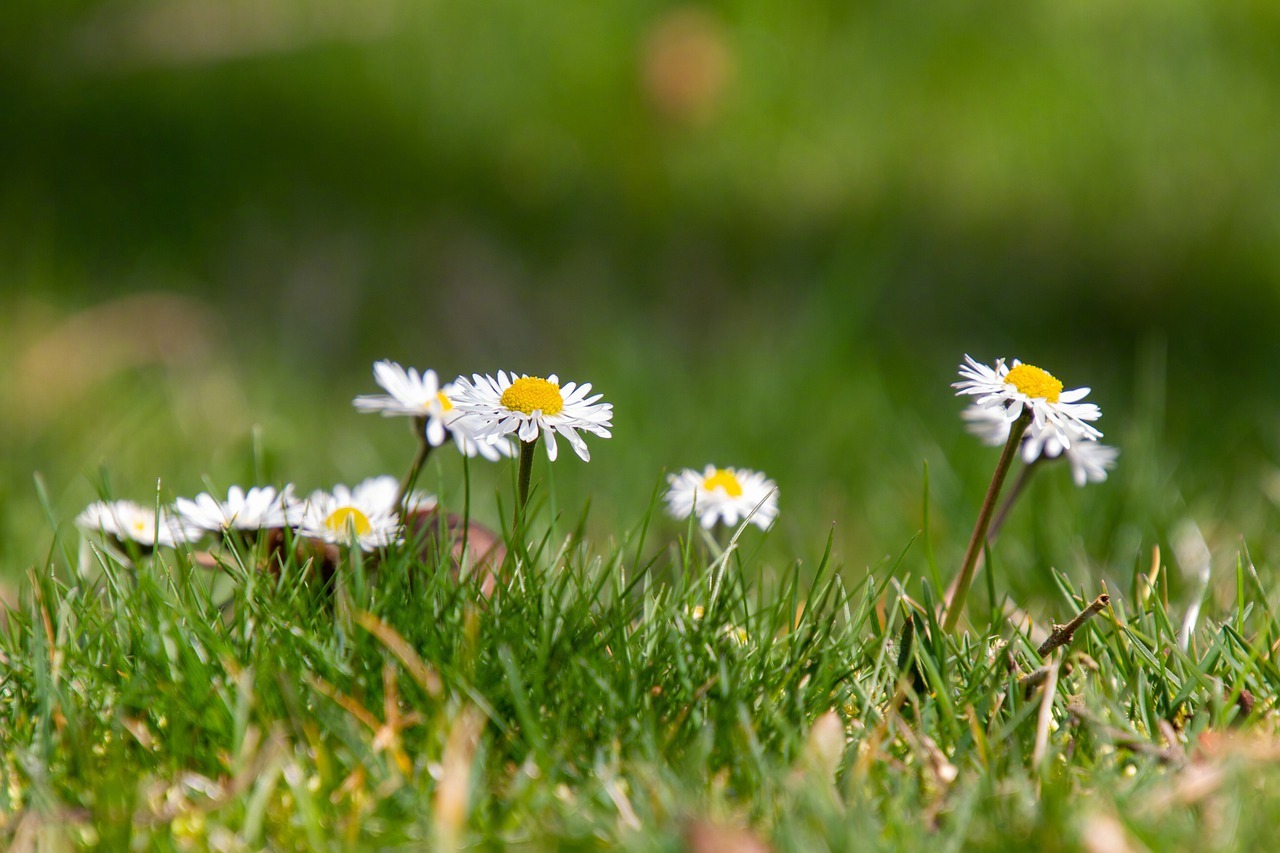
x,y
504,416
366,514
487,417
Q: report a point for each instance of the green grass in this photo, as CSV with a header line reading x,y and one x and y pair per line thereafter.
x,y
587,705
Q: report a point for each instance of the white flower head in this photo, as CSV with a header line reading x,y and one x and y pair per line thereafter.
x,y
409,393
1056,415
529,406
261,508
1090,460
126,520
462,429
723,494
366,513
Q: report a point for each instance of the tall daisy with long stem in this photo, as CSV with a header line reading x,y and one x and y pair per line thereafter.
x,y
1032,402
531,408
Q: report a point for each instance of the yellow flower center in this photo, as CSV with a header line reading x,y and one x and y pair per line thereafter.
x,y
1034,382
445,405
348,518
723,479
530,394
140,526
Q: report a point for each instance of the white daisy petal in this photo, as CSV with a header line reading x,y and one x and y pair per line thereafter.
x,y
435,432
1075,395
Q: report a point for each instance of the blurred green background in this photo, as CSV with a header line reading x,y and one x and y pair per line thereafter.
x,y
766,231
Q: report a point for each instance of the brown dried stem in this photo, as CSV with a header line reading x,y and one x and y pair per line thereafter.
x,y
1064,634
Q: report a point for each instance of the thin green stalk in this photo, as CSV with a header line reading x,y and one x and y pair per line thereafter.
x,y
1019,484
415,468
956,606
522,485
466,507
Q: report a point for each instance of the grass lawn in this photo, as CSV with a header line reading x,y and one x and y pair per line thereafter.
x,y
633,681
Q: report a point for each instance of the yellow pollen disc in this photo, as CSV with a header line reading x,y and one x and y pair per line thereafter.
x,y
139,526
348,518
1034,382
529,394
723,479
445,405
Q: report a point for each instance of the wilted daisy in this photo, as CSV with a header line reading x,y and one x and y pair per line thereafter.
x,y
1090,460
1056,415
409,393
261,508
530,407
366,514
723,494
129,521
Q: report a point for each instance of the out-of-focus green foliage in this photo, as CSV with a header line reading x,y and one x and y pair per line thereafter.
x,y
1112,161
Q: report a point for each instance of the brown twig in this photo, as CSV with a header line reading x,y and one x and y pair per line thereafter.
x,y
1033,679
1063,634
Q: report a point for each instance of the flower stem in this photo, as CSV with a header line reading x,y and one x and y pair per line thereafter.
x,y
415,468
466,506
526,469
979,537
1019,484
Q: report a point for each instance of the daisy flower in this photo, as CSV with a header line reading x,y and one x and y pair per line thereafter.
x,y
723,494
129,521
1056,415
260,508
408,393
529,407
366,513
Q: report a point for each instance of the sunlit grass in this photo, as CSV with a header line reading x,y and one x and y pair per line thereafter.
x,y
634,693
